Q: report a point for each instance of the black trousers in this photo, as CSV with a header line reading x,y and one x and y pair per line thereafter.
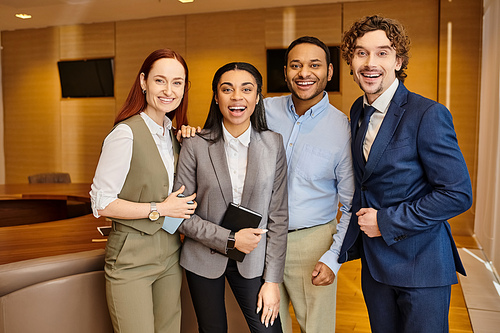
x,y
209,304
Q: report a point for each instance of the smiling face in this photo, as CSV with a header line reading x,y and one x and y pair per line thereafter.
x,y
374,64
164,88
306,74
237,97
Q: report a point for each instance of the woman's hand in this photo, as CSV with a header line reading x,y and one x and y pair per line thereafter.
x,y
246,240
269,302
178,206
187,131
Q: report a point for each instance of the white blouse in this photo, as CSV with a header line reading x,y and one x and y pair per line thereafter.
x,y
236,156
116,154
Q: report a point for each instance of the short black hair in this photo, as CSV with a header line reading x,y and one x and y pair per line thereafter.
x,y
308,40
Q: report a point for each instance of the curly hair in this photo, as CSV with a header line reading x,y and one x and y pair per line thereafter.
x,y
394,30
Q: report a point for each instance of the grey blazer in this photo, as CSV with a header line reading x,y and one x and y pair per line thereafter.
x,y
203,169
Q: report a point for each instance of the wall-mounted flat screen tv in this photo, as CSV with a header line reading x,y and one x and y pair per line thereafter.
x,y
276,78
87,78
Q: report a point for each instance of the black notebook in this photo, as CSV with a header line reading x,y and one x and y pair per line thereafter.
x,y
236,218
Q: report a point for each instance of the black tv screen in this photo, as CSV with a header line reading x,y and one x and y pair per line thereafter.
x,y
87,78
276,77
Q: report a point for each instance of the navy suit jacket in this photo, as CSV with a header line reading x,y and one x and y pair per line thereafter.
x,y
417,179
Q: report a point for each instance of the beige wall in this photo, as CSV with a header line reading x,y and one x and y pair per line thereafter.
x,y
487,222
44,132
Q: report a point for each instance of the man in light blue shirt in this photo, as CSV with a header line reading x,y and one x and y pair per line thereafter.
x,y
320,176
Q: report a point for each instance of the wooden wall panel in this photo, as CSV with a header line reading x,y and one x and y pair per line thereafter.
x,y
135,40
85,124
421,19
87,41
465,18
215,39
85,121
284,24
31,93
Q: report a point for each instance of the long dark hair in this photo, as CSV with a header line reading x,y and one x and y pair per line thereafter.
x,y
136,100
214,118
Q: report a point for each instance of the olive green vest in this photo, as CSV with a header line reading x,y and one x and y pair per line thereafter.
x,y
147,179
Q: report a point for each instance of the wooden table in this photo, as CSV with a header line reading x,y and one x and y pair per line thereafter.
x,y
49,238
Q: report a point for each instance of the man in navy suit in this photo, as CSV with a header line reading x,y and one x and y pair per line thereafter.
x,y
410,178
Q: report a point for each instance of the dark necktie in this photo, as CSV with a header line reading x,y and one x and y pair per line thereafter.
x,y
360,135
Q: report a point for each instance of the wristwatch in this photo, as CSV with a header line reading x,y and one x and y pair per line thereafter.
x,y
231,241
154,215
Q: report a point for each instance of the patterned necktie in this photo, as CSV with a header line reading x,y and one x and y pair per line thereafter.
x,y
363,127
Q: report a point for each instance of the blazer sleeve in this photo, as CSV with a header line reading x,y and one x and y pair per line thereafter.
x,y
277,222
206,232
446,184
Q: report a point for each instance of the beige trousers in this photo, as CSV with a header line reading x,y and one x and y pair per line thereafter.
x,y
143,281
314,306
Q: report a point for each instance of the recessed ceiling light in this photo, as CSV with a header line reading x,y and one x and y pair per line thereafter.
x,y
23,16
186,1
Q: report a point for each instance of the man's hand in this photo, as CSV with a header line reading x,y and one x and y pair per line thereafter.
x,y
187,131
322,275
367,220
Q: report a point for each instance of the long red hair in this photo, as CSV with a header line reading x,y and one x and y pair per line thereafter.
x,y
136,100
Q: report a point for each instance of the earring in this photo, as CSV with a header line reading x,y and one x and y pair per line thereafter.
x,y
144,91
351,72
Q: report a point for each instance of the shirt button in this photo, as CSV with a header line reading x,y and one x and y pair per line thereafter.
x,y
291,144
298,123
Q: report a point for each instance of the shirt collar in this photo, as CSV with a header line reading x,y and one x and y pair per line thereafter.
x,y
381,104
315,110
154,127
244,138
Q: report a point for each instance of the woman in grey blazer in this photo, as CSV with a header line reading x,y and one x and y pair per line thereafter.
x,y
235,159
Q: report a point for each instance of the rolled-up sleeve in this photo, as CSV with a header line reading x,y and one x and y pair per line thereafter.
x,y
112,168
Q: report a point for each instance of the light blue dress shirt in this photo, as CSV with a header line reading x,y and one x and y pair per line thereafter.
x,y
320,174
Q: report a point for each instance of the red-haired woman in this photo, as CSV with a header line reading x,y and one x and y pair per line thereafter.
x,y
133,187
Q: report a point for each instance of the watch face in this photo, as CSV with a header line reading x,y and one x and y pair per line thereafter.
x,y
154,215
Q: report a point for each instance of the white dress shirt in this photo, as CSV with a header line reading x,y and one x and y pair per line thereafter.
x,y
236,156
381,105
116,154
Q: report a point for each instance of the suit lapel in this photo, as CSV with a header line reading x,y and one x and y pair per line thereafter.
x,y
219,163
255,151
387,129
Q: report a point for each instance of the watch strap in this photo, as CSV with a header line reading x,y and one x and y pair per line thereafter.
x,y
231,240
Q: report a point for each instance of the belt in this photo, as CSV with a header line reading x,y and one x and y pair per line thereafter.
x,y
298,229
305,228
